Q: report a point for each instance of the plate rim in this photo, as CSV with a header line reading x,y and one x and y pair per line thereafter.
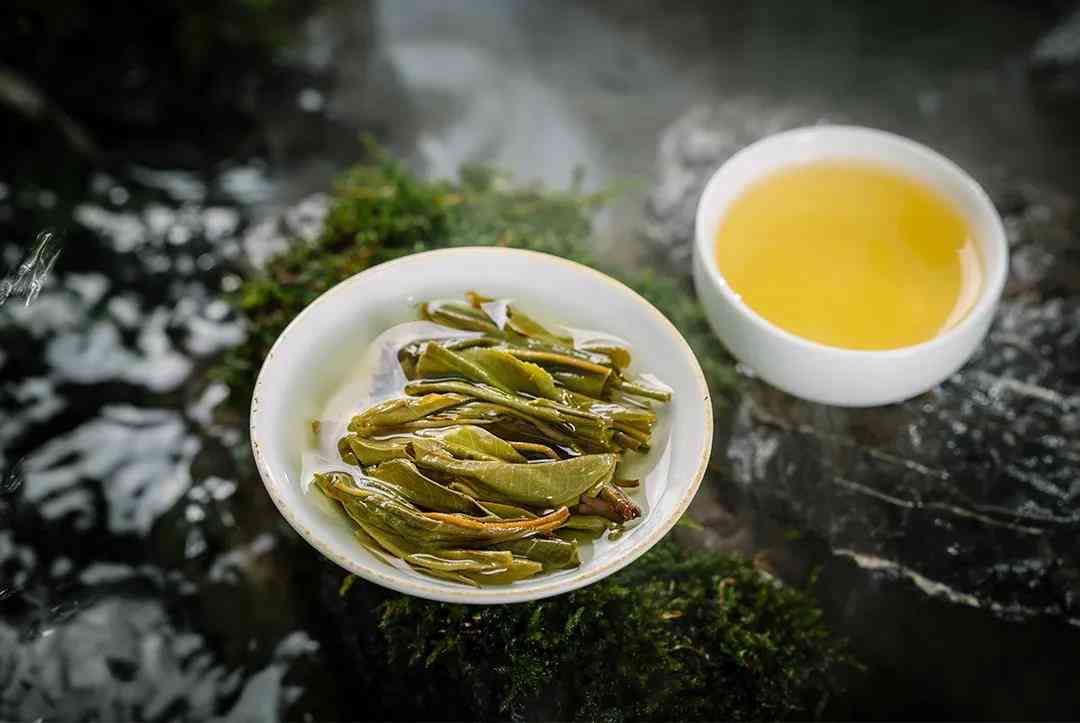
x,y
557,584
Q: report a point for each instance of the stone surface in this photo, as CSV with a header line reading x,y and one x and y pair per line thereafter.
x,y
943,529
972,491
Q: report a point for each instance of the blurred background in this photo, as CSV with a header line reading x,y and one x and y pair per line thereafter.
x,y
151,158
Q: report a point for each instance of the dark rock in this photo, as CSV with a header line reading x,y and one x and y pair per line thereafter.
x,y
176,84
20,96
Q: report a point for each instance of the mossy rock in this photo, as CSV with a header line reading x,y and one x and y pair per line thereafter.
x,y
678,635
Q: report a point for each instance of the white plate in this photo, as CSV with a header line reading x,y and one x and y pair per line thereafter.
x,y
316,355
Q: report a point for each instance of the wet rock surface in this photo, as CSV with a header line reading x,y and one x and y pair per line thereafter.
x,y
144,573
135,551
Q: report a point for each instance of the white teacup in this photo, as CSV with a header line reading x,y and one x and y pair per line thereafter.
x,y
827,374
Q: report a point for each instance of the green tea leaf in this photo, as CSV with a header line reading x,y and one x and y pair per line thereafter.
x,y
512,373
395,412
542,484
362,450
553,553
421,490
471,438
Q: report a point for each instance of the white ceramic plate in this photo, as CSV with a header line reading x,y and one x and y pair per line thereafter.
x,y
316,355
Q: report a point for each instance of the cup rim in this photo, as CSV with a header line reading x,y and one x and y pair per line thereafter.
x,y
992,286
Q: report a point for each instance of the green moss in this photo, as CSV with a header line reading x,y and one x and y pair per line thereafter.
x,y
382,211
677,635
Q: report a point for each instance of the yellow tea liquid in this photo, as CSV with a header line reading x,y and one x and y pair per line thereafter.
x,y
849,254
